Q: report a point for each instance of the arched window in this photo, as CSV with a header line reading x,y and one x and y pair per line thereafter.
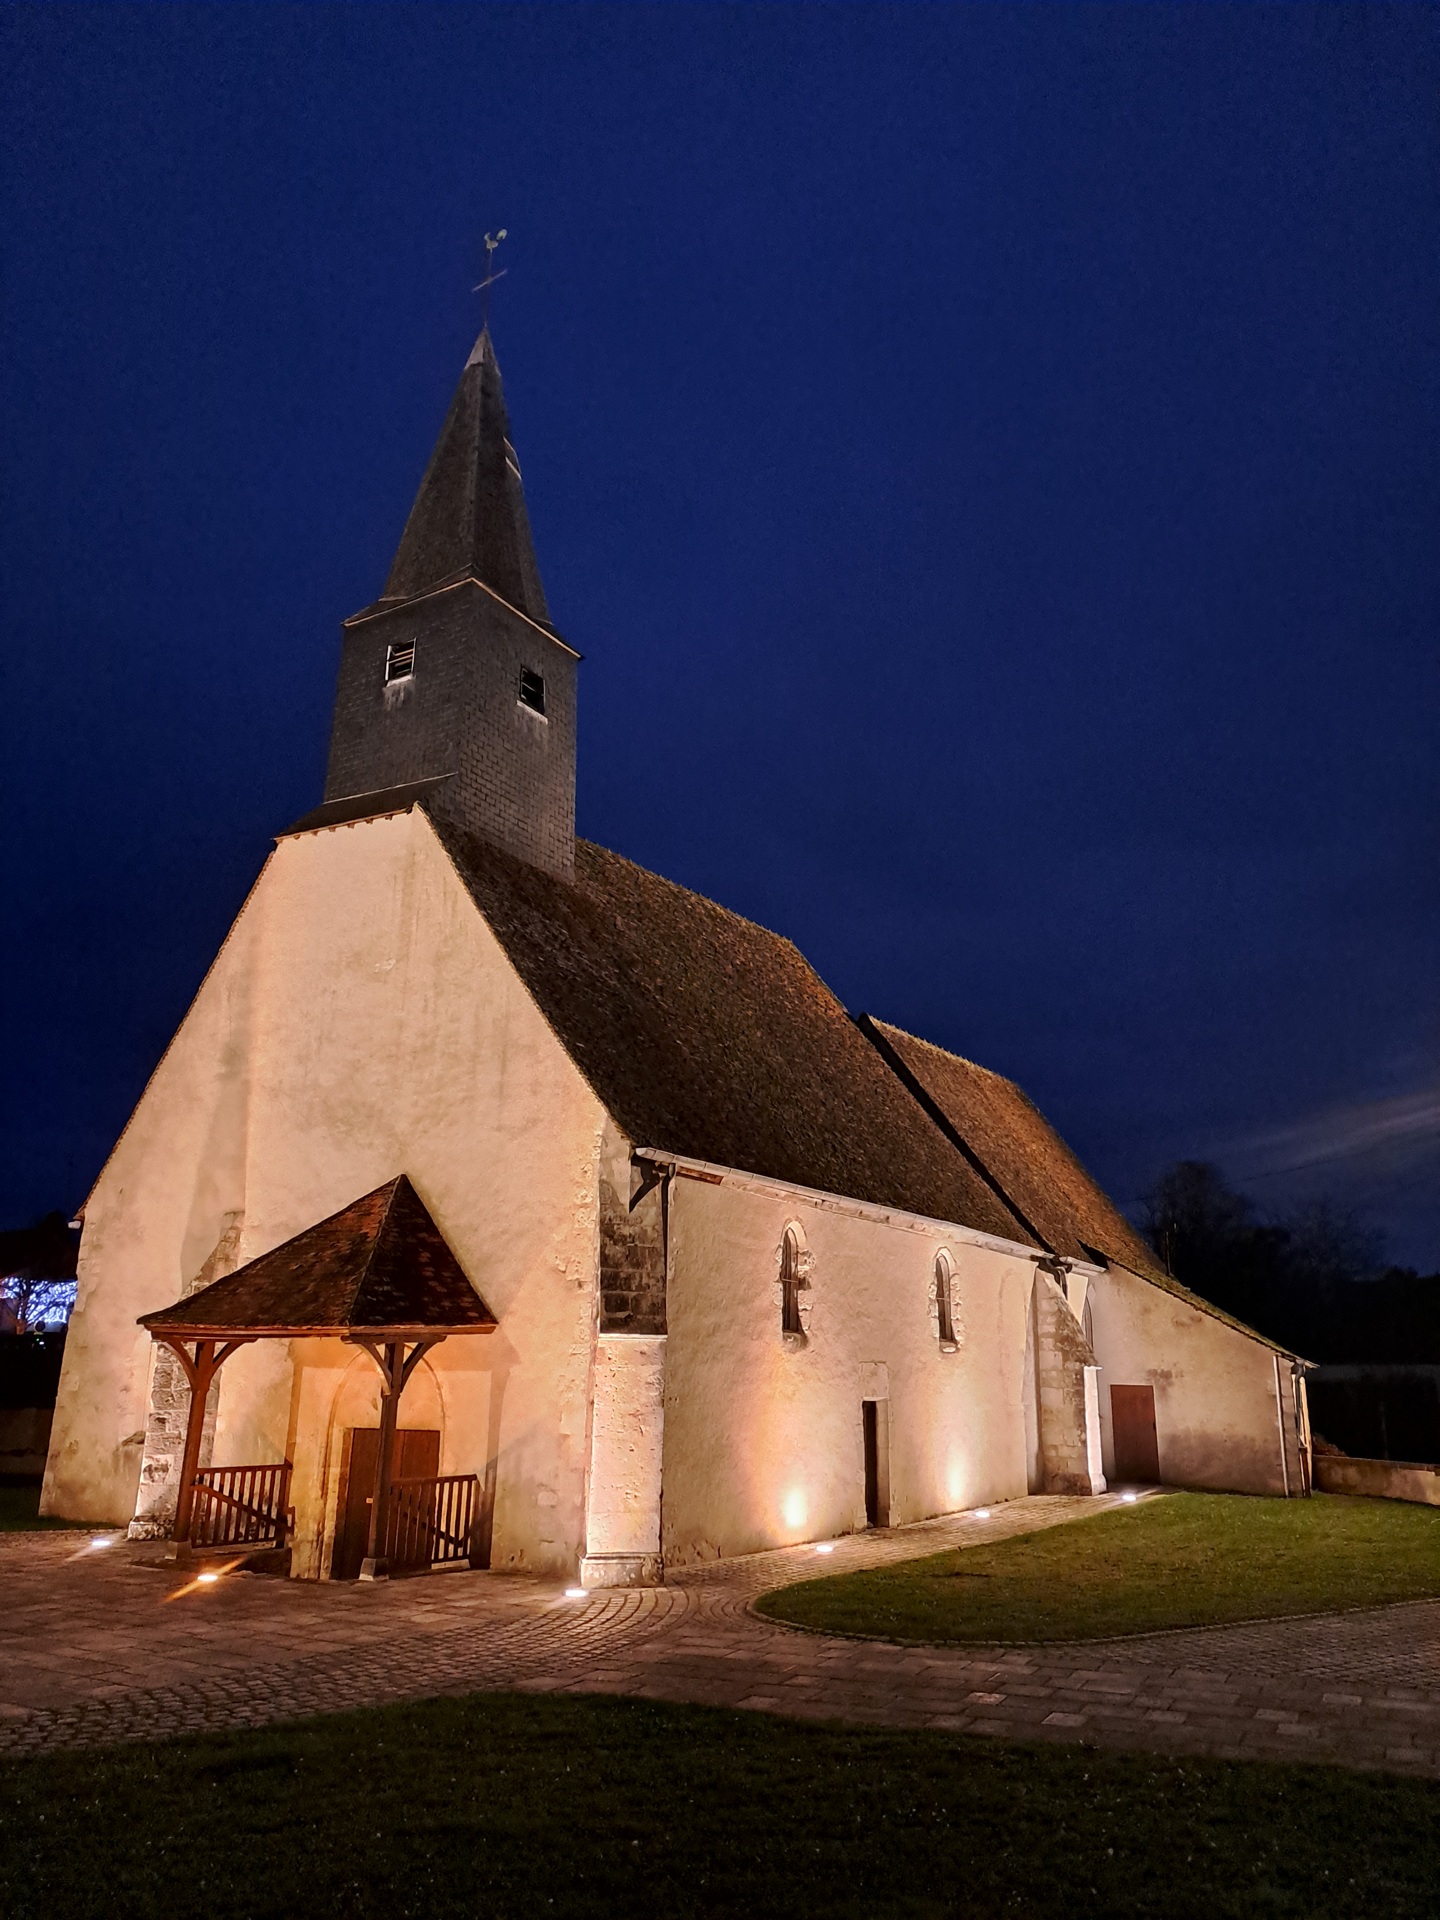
x,y
944,1303
791,1282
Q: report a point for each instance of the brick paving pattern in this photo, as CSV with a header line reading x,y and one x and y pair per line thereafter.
x,y
106,1644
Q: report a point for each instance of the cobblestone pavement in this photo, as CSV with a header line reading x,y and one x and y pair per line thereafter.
x,y
102,1643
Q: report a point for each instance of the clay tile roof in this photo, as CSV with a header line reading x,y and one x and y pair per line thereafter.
x,y
992,1120
706,1036
380,1265
1019,1148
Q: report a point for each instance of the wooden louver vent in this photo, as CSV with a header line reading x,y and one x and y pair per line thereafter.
x,y
532,690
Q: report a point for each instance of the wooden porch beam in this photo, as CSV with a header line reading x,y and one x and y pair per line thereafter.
x,y
200,1370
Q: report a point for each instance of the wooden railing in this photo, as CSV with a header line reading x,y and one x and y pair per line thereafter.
x,y
240,1506
431,1522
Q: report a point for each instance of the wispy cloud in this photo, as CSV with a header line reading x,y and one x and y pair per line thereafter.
x,y
1394,1134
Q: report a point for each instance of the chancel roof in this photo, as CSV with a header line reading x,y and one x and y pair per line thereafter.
x,y
708,1037
469,519
997,1125
1028,1161
379,1266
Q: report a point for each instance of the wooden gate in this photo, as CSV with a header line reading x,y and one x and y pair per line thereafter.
x,y
431,1522
240,1506
1132,1422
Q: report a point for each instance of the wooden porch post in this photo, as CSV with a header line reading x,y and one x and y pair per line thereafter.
x,y
375,1564
200,1370
396,1367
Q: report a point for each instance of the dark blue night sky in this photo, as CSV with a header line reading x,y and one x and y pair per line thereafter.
x,y
986,454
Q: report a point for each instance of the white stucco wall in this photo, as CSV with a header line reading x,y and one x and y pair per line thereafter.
x,y
361,1021
763,1436
626,1461
1215,1408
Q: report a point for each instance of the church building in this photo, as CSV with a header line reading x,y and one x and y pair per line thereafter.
x,y
500,1203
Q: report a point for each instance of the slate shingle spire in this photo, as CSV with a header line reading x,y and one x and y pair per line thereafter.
x,y
469,518
454,681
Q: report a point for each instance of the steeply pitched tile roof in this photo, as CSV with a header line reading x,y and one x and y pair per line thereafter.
x,y
380,1265
704,1035
995,1123
1019,1148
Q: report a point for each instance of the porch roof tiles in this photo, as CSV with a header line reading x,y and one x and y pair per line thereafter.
x,y
380,1266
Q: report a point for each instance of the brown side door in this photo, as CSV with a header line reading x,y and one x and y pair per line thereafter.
x,y
417,1457
1132,1423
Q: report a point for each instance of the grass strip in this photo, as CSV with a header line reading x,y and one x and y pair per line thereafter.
x,y
505,1804
1191,1559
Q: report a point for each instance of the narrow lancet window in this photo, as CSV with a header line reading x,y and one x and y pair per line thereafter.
x,y
790,1282
944,1305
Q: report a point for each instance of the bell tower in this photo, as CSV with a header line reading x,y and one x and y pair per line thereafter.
x,y
455,674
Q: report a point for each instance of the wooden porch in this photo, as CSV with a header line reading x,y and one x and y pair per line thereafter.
x,y
378,1276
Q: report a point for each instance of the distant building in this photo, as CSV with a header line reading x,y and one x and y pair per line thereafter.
x,y
497,1191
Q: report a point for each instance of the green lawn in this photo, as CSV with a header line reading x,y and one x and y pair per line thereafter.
x,y
20,1509
519,1805
1190,1559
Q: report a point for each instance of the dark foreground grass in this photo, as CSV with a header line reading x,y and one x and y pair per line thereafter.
x,y
20,1508
507,1804
1191,1559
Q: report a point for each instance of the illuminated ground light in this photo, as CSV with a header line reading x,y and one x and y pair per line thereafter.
x,y
206,1579
825,1546
577,1593
103,1540
1129,1498
793,1509
982,1513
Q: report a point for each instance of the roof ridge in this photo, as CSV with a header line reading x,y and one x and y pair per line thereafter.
x,y
875,1031
381,1225
950,1054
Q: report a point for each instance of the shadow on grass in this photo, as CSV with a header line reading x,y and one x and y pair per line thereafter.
x,y
516,1805
1191,1559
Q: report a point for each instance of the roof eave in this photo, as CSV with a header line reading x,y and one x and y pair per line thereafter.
x,y
160,1328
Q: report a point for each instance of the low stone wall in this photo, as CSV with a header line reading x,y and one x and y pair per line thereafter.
x,y
1378,1479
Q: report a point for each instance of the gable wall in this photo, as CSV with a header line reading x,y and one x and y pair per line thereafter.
x,y
763,1438
1215,1397
170,1195
361,1021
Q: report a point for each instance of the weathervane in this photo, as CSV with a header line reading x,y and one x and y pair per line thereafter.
x,y
492,241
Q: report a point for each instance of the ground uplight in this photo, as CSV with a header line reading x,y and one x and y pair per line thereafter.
x,y
982,1513
206,1579
825,1546
576,1593
1129,1498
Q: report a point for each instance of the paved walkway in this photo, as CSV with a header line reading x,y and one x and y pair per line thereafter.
x,y
102,1644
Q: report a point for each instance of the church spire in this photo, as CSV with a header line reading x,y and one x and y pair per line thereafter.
x,y
455,680
469,519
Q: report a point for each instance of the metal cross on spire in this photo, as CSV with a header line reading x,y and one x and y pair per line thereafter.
x,y
492,241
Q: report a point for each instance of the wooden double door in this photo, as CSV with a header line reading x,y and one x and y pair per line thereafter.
x,y
417,1457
